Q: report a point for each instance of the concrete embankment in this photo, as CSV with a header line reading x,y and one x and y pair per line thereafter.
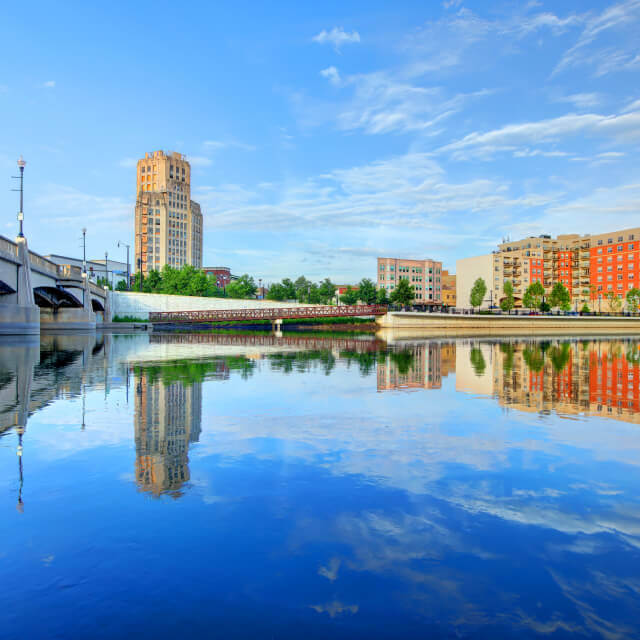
x,y
444,324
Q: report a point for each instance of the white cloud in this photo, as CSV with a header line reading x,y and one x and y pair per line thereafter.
x,y
337,37
603,58
215,145
451,4
49,84
582,100
199,161
331,74
624,129
129,163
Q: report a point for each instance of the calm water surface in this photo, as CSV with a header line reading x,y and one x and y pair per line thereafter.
x,y
220,486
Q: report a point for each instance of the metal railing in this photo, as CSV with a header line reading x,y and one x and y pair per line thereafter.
x,y
283,313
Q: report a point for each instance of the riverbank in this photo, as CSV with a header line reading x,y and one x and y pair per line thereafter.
x,y
426,324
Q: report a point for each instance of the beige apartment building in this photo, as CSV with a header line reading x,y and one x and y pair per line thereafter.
x,y
589,266
168,224
425,276
448,288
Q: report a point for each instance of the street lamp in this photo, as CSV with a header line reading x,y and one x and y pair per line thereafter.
x,y
260,291
84,251
21,164
128,276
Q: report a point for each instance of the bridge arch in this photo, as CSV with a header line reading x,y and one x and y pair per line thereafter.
x,y
55,298
97,305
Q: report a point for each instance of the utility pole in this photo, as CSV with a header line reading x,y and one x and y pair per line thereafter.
x,y
21,164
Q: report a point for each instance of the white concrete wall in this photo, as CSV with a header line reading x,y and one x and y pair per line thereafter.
x,y
468,270
140,304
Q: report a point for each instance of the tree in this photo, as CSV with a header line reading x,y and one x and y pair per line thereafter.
x,y
633,300
403,293
560,297
533,295
243,287
300,288
367,291
121,286
585,308
508,302
381,296
478,292
290,289
314,296
615,301
327,291
350,296
103,282
277,292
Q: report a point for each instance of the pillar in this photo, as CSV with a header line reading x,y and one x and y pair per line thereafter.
x,y
25,288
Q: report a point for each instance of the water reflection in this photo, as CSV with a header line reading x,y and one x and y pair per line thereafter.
x,y
588,377
316,492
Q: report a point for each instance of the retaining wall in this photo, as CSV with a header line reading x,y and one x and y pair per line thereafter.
x,y
127,303
460,325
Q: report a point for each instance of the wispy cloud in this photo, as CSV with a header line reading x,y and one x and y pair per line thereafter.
x,y
624,129
582,100
337,37
49,84
215,145
331,74
606,56
199,161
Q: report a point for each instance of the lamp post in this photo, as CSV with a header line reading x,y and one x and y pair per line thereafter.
x,y
106,268
21,164
260,291
128,276
84,251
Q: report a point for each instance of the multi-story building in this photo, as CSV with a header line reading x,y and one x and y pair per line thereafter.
x,y
590,266
222,275
468,270
448,288
425,276
168,224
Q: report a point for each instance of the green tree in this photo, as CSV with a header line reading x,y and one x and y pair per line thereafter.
x,y
103,282
633,300
560,297
533,295
381,296
327,291
314,296
478,292
300,288
509,356
277,291
585,308
290,290
350,296
367,291
508,302
534,358
403,293
615,301
243,287
121,286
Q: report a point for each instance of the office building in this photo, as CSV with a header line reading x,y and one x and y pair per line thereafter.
x,y
168,224
222,275
425,276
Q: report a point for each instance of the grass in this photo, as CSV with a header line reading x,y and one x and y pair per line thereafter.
x,y
127,319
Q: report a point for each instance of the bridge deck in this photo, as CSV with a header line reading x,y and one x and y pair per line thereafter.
x,y
283,313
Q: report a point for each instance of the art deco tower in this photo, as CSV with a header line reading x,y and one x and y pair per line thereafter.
x,y
168,224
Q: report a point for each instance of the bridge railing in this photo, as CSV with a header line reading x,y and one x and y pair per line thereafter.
x,y
70,271
8,246
282,313
43,264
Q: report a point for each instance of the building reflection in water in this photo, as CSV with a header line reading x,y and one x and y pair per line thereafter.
x,y
596,377
416,366
168,418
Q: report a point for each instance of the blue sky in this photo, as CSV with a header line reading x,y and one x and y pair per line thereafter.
x,y
324,135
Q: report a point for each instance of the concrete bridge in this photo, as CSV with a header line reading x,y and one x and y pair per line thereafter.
x,y
36,293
